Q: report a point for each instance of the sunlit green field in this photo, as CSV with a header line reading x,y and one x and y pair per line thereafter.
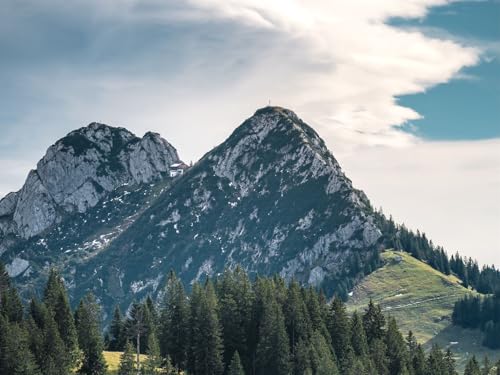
x,y
113,361
421,299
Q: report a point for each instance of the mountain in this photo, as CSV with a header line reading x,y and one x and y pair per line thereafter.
x,y
62,205
421,299
271,197
78,171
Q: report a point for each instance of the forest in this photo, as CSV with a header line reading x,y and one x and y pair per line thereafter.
x,y
229,325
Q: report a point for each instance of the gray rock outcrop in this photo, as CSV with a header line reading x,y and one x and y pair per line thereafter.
x,y
78,171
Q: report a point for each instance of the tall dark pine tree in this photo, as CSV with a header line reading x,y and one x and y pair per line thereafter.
x,y
296,315
236,300
57,302
46,342
358,336
396,349
88,326
127,366
472,367
174,323
206,335
273,349
16,357
117,334
339,327
374,322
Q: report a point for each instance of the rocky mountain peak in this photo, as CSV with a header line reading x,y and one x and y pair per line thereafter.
x,y
78,171
275,142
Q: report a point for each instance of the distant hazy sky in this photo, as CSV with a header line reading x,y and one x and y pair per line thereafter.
x,y
406,93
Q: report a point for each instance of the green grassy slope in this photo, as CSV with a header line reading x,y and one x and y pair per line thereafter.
x,y
421,299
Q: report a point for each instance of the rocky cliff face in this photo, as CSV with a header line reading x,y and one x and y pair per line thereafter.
x,y
271,198
78,171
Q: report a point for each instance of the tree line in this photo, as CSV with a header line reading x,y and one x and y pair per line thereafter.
x,y
225,326
480,312
48,338
485,280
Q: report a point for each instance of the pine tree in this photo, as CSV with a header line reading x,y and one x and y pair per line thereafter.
x,y
450,363
45,341
296,315
88,326
374,322
498,367
235,367
117,333
396,349
57,301
174,323
137,327
273,349
206,337
358,336
378,356
127,361
472,367
153,362
322,359
418,362
15,355
338,325
435,362
236,299
10,303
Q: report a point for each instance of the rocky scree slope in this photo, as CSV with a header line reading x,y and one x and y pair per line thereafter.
x,y
62,206
271,198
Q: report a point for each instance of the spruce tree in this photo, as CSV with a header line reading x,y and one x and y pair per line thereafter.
x,y
235,367
127,361
45,341
273,348
117,335
358,336
374,322
16,357
88,326
498,367
57,302
396,349
322,359
339,327
435,362
153,362
450,363
206,336
296,315
236,299
418,362
472,367
174,323
378,351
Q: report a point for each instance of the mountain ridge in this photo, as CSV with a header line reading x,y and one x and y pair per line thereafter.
x,y
271,197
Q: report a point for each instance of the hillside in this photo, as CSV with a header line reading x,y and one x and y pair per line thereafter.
x,y
421,299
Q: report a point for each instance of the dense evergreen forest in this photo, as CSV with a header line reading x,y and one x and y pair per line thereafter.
x,y
483,313
229,325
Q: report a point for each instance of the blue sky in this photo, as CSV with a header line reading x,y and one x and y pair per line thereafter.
x,y
405,93
466,107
